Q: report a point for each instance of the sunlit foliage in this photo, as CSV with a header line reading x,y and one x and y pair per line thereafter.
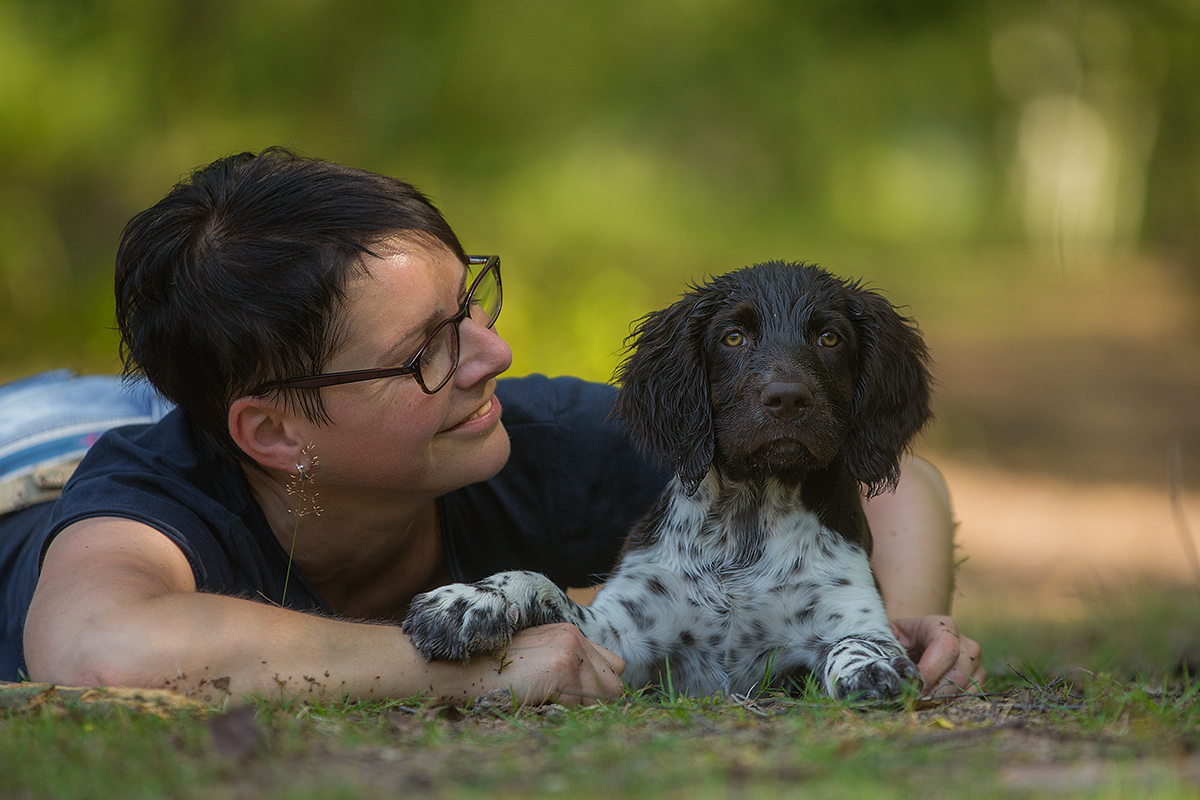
x,y
609,150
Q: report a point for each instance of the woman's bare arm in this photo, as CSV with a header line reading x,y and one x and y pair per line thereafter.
x,y
913,560
913,532
117,605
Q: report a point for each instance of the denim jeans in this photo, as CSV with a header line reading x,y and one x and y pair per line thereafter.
x,y
48,421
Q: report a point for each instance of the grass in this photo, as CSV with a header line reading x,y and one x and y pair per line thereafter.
x,y
1097,736
1068,714
1137,631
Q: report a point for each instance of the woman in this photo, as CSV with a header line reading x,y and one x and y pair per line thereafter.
x,y
337,448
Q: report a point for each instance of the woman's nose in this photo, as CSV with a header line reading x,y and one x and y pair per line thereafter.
x,y
483,355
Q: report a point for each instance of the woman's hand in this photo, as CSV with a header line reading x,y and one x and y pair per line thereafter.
x,y
949,662
546,664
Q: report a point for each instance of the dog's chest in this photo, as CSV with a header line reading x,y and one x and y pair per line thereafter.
x,y
747,589
716,601
734,561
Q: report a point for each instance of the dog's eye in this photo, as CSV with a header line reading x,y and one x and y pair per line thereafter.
x,y
734,339
829,339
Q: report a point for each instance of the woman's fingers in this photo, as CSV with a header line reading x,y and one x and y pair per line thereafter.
x,y
948,661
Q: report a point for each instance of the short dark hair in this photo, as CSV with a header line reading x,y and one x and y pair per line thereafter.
x,y
238,275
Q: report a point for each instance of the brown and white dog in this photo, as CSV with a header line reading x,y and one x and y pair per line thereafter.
x,y
776,391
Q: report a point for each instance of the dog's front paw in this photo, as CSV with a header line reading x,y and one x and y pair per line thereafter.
x,y
869,669
455,622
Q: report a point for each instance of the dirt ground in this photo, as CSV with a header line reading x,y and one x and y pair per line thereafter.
x,y
1064,429
1035,543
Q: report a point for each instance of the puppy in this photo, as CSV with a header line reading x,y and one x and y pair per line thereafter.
x,y
776,391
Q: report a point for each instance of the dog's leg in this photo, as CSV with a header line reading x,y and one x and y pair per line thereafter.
x,y
461,620
861,655
840,631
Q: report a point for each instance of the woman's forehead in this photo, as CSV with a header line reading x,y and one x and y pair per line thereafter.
x,y
405,290
412,242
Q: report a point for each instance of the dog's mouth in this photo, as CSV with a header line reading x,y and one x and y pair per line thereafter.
x,y
786,458
780,455
785,450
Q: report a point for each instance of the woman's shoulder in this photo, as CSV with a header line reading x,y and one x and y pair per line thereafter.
x,y
164,476
539,400
159,473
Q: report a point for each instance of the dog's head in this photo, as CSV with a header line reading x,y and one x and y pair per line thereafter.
x,y
776,370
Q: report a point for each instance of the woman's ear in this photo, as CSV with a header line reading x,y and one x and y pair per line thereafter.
x,y
265,432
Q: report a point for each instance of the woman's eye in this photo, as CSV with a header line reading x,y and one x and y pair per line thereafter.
x,y
829,339
734,339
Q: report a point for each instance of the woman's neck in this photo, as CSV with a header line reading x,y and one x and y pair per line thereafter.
x,y
367,560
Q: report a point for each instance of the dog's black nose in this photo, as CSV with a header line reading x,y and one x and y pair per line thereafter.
x,y
787,399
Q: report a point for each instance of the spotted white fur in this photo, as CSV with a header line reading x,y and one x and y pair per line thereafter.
x,y
720,614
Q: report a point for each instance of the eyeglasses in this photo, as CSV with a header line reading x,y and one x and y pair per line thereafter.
x,y
436,359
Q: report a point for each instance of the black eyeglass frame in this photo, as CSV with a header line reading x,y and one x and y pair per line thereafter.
x,y
413,365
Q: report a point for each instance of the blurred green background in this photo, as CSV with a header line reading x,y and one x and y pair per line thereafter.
x,y
1009,171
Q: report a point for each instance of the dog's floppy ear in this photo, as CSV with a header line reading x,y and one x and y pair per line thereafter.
x,y
891,391
664,395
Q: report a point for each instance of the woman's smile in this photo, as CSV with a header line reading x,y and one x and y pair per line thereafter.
x,y
480,419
